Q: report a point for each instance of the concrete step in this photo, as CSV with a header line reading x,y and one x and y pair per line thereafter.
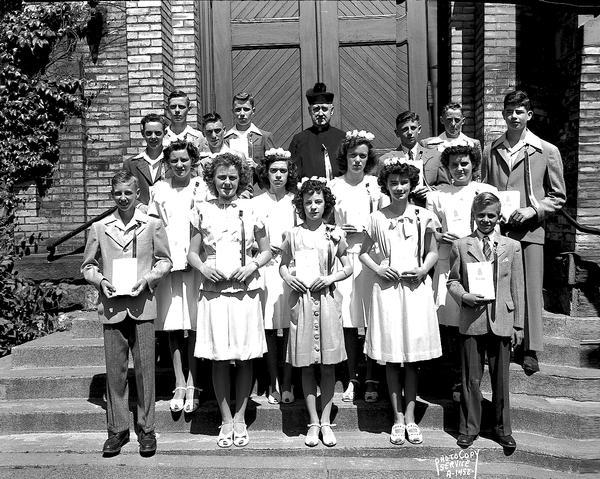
x,y
562,326
86,325
272,454
580,384
552,417
59,350
569,352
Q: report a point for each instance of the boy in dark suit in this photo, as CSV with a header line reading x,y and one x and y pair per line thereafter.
x,y
522,162
128,317
147,166
487,326
426,160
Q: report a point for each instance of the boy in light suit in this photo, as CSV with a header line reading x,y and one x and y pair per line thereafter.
x,y
487,326
521,161
128,319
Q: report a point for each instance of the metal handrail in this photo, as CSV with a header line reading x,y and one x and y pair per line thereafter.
x,y
578,226
53,243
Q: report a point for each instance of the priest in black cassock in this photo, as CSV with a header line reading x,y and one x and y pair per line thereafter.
x,y
314,150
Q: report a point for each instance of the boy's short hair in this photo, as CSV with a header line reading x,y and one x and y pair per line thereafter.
x,y
178,94
406,116
153,118
483,200
123,177
452,106
517,98
243,97
211,117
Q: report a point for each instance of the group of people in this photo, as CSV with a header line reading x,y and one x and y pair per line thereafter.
x,y
226,242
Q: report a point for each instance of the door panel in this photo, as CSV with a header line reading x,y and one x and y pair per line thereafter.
x,y
371,54
277,90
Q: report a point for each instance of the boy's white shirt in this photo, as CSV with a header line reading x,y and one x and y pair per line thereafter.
x,y
527,139
243,134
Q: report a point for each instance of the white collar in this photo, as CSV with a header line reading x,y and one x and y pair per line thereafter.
x,y
528,139
144,156
138,217
415,150
252,128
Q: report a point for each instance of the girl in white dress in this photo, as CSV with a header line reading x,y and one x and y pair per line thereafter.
x,y
316,336
279,174
172,200
452,205
357,195
230,321
403,328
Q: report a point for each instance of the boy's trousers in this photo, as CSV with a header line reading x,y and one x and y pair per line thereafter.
x,y
118,339
473,350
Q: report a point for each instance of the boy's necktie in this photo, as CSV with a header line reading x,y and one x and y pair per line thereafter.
x,y
487,250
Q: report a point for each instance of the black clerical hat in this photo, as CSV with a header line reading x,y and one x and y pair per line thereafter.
x,y
319,94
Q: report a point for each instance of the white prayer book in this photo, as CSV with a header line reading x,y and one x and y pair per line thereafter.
x,y
307,265
401,260
124,275
481,279
510,201
458,222
239,144
228,257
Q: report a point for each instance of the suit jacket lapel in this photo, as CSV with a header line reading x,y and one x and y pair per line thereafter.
x,y
474,250
115,233
144,169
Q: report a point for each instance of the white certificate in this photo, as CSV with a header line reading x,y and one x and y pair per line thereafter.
x,y
276,230
239,144
402,260
228,257
124,275
458,222
481,279
307,265
509,201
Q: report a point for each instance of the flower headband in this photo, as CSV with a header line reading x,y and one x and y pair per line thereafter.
x,y
320,179
278,153
362,134
394,160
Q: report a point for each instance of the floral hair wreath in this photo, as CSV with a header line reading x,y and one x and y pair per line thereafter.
x,y
394,160
320,179
278,153
362,134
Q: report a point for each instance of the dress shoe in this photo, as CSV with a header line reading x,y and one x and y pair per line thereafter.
x,y
147,442
530,363
465,440
507,442
114,443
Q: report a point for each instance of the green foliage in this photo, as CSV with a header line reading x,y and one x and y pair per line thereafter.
x,y
34,108
27,310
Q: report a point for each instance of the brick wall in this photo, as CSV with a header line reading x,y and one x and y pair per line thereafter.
x,y
495,65
461,37
588,201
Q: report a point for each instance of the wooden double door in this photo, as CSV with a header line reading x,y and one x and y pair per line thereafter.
x,y
371,54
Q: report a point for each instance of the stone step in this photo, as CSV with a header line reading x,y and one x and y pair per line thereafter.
x,y
59,350
562,326
86,325
569,352
553,417
63,350
580,384
273,454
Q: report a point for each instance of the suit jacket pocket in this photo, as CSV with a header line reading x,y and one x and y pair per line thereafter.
x,y
510,305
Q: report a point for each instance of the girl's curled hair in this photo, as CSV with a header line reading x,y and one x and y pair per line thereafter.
x,y
262,172
309,187
397,168
461,150
179,145
226,159
353,142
